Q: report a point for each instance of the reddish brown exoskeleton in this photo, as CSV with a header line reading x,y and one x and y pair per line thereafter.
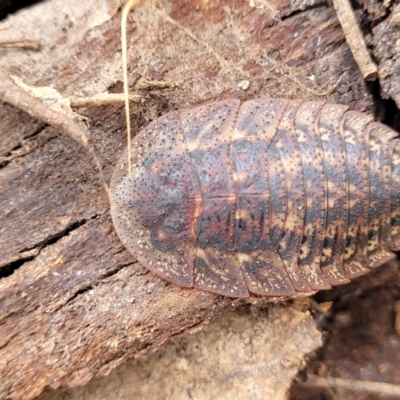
x,y
267,196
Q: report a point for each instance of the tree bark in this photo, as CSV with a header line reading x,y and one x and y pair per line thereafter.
x,y
74,302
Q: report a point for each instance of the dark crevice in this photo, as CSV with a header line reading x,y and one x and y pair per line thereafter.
x,y
4,161
93,285
8,157
382,19
11,6
26,138
306,8
116,270
367,19
10,268
54,239
8,341
189,328
385,110
39,130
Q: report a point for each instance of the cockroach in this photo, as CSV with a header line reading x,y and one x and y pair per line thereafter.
x,y
267,196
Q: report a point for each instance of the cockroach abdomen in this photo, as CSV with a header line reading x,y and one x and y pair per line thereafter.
x,y
269,196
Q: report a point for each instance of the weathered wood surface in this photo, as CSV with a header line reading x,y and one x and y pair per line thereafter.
x,y
361,342
253,352
385,21
73,302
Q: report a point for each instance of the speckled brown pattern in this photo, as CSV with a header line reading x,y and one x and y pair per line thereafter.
x,y
394,241
268,196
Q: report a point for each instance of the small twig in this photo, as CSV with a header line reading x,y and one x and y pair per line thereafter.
x,y
102,99
13,94
150,84
21,43
16,40
354,385
355,39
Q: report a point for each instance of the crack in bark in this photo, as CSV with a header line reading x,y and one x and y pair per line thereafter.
x,y
18,150
27,138
9,269
306,8
93,285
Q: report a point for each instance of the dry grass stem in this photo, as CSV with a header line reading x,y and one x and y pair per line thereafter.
x,y
379,388
13,94
20,42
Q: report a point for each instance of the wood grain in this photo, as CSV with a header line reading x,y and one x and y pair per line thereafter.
x,y
73,302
